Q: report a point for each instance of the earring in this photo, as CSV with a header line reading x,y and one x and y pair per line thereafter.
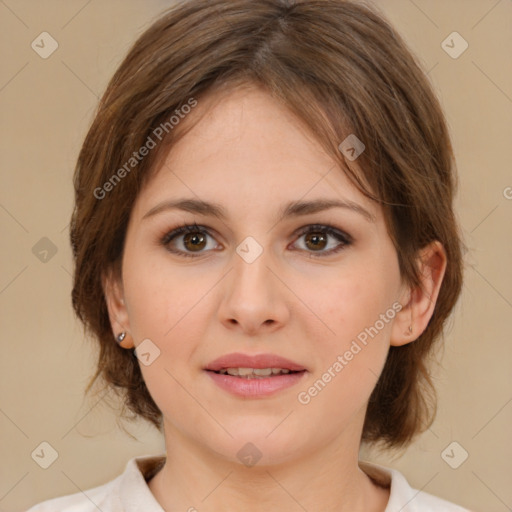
x,y
120,337
410,329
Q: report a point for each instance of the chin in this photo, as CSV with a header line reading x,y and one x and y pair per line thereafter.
x,y
260,444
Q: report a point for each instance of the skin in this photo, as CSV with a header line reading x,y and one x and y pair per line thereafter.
x,y
252,156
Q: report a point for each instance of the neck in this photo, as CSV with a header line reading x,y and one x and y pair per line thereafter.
x,y
329,479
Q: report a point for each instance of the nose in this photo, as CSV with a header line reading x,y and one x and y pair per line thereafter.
x,y
253,300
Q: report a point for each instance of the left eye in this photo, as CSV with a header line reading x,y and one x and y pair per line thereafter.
x,y
192,240
316,239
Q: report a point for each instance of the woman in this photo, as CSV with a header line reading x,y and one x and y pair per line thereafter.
x,y
266,252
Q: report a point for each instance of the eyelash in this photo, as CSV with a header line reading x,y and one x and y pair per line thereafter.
x,y
326,229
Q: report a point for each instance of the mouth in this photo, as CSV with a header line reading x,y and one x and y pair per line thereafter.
x,y
255,373
258,365
254,376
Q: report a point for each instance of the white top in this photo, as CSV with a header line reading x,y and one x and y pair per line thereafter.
x,y
129,492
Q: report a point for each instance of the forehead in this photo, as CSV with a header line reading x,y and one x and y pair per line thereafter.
x,y
246,149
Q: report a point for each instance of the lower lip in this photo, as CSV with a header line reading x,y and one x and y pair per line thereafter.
x,y
256,387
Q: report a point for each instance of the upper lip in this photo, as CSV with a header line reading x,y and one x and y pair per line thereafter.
x,y
239,360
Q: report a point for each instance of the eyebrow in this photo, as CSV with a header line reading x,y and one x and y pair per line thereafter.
x,y
292,209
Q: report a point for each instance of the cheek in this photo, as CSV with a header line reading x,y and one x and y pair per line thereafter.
x,y
158,295
161,303
355,298
357,306
349,362
168,306
151,305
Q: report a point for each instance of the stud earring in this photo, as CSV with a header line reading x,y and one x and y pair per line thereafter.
x,y
410,329
120,337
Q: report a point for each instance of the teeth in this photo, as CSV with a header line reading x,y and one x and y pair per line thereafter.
x,y
263,372
253,372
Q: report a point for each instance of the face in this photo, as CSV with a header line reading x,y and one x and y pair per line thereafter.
x,y
259,276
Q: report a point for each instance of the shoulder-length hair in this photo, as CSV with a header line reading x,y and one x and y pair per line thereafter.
x,y
341,69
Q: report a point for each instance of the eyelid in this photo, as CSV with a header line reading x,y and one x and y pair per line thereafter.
x,y
327,228
184,229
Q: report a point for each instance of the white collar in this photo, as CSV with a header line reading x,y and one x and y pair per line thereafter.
x,y
135,494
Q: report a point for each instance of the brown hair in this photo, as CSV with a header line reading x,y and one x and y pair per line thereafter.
x,y
341,69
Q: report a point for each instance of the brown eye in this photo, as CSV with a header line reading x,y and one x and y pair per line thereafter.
x,y
322,240
194,241
189,240
315,241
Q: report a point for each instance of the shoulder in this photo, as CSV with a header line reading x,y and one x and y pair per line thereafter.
x,y
404,498
88,501
128,491
102,497
428,503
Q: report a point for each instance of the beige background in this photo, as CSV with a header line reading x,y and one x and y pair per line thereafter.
x,y
47,106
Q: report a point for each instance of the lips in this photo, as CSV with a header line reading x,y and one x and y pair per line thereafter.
x,y
259,361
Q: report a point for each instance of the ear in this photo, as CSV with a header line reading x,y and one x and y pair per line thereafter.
x,y
117,312
419,303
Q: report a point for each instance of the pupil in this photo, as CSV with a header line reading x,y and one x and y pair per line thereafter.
x,y
316,238
197,240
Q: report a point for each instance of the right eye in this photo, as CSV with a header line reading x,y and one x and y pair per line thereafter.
x,y
188,239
